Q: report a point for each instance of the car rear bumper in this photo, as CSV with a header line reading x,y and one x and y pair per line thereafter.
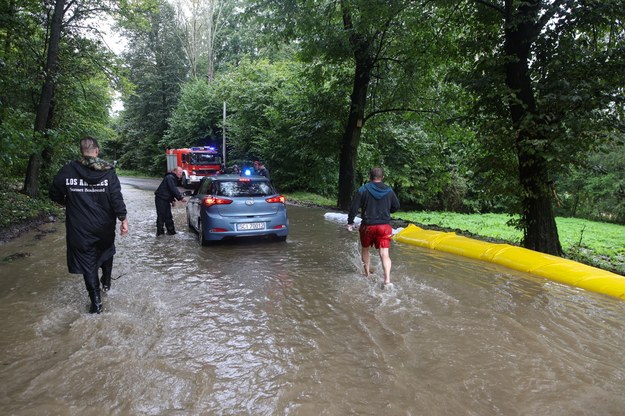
x,y
221,228
223,235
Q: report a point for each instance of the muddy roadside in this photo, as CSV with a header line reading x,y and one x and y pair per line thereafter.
x,y
15,230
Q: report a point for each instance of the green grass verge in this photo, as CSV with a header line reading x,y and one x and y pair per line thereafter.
x,y
596,243
132,173
306,198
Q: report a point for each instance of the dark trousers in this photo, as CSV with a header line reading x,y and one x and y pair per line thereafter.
x,y
163,215
107,271
92,282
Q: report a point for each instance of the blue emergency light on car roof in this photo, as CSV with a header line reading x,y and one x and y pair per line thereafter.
x,y
247,171
204,148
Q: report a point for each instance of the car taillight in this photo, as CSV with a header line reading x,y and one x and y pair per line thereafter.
x,y
279,199
209,201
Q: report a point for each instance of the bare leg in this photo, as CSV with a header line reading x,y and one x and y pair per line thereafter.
x,y
366,260
386,264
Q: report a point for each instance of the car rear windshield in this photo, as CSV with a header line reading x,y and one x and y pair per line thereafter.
x,y
241,188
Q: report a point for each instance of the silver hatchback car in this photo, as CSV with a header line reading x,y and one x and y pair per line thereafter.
x,y
232,206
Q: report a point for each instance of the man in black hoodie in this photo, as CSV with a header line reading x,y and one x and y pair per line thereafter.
x,y
91,193
165,197
376,201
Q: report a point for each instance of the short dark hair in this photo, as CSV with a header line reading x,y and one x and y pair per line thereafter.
x,y
376,173
87,144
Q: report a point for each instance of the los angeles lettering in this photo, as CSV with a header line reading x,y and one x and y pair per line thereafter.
x,y
80,182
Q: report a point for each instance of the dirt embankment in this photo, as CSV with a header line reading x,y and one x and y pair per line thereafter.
x,y
15,230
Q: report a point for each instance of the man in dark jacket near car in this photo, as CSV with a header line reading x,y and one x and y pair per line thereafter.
x,y
260,169
91,193
376,201
165,197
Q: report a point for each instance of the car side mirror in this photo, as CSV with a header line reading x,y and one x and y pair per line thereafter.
x,y
187,193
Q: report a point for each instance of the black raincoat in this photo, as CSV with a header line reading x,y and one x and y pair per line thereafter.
x,y
94,202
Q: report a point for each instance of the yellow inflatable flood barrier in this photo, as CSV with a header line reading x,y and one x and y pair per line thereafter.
x,y
518,258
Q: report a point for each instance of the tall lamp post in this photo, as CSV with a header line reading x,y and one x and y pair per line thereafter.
x,y
223,131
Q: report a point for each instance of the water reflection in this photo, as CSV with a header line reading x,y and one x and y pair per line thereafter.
x,y
270,328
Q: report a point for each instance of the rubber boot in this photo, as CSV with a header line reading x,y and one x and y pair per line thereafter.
x,y
159,231
93,288
96,302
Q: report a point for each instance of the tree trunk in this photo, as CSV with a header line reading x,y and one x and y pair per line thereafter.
x,y
351,137
539,225
540,231
31,181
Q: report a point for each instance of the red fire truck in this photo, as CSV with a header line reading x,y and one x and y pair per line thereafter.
x,y
196,162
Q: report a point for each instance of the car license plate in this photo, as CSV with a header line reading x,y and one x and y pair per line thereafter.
x,y
251,226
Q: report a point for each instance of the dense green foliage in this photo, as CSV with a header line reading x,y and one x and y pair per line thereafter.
x,y
546,94
434,92
157,69
272,115
82,91
596,188
17,208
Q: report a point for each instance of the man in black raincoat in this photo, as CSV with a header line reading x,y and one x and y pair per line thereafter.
x,y
165,197
90,190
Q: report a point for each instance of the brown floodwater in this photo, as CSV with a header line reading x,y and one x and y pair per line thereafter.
x,y
270,328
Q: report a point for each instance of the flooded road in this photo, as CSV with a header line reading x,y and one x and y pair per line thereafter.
x,y
266,328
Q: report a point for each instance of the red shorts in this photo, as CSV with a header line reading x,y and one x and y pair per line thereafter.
x,y
378,235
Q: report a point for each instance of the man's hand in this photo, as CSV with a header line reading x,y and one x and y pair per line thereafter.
x,y
350,227
123,228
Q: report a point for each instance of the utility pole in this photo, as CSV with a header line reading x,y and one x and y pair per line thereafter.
x,y
223,132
